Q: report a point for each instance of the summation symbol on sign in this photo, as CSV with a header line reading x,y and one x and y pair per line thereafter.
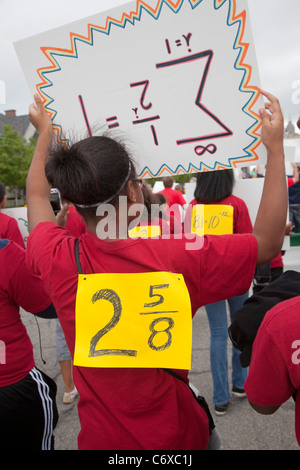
x,y
199,150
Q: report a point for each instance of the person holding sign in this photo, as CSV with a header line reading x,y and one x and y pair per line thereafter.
x,y
214,190
126,305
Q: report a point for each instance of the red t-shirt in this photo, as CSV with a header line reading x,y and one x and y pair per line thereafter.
x,y
274,372
9,229
277,262
174,199
290,182
18,287
241,218
75,224
127,408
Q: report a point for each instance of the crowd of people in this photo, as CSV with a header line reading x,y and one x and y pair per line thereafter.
x,y
75,275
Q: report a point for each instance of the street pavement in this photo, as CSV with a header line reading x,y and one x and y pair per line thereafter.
x,y
241,428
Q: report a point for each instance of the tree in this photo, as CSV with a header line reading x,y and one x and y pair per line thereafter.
x,y
177,179
15,158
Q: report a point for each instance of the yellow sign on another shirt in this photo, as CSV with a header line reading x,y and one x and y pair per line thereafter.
x,y
213,219
145,231
133,320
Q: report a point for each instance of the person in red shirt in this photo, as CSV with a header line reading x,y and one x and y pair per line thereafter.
x,y
154,215
274,371
158,199
8,225
216,187
120,407
28,413
70,219
174,199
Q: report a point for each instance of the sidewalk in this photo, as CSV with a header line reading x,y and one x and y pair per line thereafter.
x,y
241,428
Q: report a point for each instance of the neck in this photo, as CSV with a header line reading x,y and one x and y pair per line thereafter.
x,y
109,228
112,223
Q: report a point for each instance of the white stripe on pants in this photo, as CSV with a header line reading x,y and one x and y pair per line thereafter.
x,y
47,404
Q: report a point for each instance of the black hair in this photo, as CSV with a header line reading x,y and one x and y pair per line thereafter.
x,y
2,191
90,171
213,186
159,198
157,201
147,203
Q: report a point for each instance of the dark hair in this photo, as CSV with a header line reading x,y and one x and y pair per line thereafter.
x,y
168,181
147,203
159,198
90,171
213,186
2,191
157,201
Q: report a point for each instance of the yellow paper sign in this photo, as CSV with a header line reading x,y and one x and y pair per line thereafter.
x,y
133,320
145,231
213,219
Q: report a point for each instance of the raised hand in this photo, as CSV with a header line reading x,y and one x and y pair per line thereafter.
x,y
39,118
272,123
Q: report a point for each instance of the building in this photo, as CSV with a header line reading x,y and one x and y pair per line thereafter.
x,y
20,124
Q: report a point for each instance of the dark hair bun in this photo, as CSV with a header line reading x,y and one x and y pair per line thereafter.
x,y
89,171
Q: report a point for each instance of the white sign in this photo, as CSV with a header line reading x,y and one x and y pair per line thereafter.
x,y
20,215
178,78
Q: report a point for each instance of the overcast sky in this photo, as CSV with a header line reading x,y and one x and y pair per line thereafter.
x,y
275,26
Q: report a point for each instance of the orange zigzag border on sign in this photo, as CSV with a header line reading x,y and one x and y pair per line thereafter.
x,y
245,84
49,52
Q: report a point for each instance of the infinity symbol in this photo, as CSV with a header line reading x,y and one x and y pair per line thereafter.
x,y
200,150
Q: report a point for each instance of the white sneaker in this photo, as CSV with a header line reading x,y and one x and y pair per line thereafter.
x,y
238,392
70,396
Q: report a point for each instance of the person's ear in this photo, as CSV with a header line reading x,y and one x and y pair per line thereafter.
x,y
131,192
3,202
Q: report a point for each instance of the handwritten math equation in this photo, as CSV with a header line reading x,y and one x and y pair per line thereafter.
x,y
142,111
214,219
152,330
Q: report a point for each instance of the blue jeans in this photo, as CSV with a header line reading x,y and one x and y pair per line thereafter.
x,y
217,318
294,215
